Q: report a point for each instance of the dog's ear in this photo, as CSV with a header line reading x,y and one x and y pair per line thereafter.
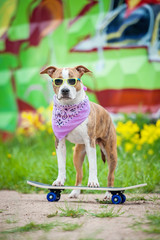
x,y
50,70
81,69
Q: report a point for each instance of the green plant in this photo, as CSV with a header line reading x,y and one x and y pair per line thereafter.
x,y
71,212
142,198
33,227
154,198
149,225
102,201
108,214
9,221
153,222
137,198
70,226
52,215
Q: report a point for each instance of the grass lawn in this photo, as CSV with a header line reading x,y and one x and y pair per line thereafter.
x,y
33,158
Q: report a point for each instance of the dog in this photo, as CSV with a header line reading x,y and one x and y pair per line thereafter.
x,y
94,127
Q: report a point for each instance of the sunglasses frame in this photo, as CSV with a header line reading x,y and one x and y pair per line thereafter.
x,y
65,80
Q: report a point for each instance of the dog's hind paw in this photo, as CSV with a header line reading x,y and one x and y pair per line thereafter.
x,y
107,196
74,193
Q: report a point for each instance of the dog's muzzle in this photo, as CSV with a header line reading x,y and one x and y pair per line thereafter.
x,y
65,92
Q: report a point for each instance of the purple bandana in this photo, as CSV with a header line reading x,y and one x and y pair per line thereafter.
x,y
65,118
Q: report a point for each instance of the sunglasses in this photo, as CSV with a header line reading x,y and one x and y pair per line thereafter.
x,y
70,81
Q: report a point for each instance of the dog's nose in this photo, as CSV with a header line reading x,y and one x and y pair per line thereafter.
x,y
65,91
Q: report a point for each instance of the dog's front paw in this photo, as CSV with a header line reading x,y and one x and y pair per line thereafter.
x,y
93,182
74,193
107,196
59,181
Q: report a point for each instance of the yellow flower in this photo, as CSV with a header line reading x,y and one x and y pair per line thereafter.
x,y
42,127
119,140
40,110
24,114
29,117
139,147
73,148
20,131
158,123
150,152
127,130
135,138
128,147
49,130
149,134
50,107
9,155
53,153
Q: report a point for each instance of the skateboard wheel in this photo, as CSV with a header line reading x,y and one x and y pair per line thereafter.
x,y
123,198
51,197
58,196
116,199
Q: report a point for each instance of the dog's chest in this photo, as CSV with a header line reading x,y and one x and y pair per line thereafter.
x,y
80,134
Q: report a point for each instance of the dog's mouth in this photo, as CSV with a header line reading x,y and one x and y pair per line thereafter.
x,y
64,97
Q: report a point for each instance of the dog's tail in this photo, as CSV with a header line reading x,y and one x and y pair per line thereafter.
x,y
103,156
101,145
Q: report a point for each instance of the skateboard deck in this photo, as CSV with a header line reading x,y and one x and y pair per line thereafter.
x,y
55,191
47,186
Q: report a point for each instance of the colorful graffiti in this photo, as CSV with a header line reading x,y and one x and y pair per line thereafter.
x,y
119,41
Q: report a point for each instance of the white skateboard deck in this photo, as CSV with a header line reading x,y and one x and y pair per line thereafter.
x,y
112,189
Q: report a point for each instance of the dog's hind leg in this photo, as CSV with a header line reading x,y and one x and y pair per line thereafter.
x,y
78,158
111,150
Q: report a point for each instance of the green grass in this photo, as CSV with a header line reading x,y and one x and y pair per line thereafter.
x,y
68,211
153,222
137,198
9,221
31,159
150,224
154,198
77,212
33,227
142,198
102,201
52,215
108,213
44,226
70,226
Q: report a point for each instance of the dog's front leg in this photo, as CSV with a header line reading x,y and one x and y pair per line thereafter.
x,y
92,158
61,157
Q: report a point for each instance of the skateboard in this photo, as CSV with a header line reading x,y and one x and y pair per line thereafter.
x,y
54,195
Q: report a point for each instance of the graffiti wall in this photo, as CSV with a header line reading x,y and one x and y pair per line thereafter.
x,y
118,40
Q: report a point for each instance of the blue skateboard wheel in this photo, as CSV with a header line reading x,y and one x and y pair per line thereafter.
x,y
123,198
116,199
51,197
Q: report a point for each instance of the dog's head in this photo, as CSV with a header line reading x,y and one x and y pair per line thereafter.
x,y
66,89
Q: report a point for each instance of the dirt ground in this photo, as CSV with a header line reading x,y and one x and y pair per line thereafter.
x,y
18,209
